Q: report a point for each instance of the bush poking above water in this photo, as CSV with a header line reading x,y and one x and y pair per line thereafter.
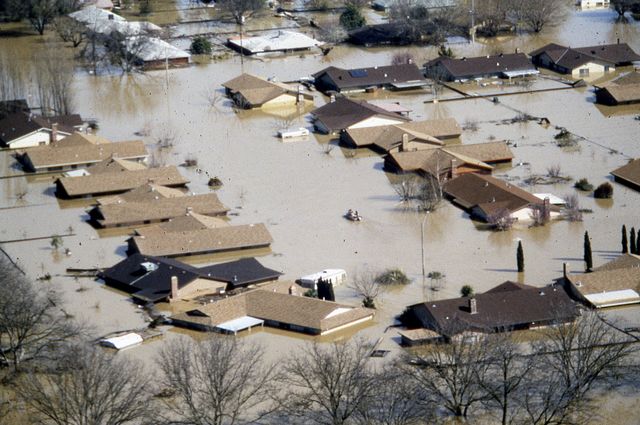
x,y
392,277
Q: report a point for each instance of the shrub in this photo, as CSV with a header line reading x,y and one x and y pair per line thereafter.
x,y
604,191
583,184
392,277
351,18
466,291
200,46
145,7
311,293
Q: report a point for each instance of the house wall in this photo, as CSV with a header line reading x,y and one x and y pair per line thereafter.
x,y
375,121
162,63
283,99
201,287
41,137
590,69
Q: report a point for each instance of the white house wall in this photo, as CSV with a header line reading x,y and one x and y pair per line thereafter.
x,y
375,121
283,99
37,138
592,67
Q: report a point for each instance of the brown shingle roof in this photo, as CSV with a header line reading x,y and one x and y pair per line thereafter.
x,y
629,172
607,280
61,154
143,193
160,209
257,90
343,113
288,309
511,307
471,190
20,124
570,58
173,244
624,261
385,137
425,160
119,181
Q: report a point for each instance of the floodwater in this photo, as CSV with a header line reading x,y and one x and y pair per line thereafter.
x,y
301,189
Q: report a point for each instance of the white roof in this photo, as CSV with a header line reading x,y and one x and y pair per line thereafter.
x,y
124,341
323,274
520,73
240,323
612,298
77,173
92,14
276,41
553,199
156,49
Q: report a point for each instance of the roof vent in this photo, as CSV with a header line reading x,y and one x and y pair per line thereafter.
x,y
148,266
579,283
541,293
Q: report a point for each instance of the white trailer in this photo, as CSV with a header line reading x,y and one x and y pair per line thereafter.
x,y
335,276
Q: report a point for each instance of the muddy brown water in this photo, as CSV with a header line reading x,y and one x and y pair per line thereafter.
x,y
301,189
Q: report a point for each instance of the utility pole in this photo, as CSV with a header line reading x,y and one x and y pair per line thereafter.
x,y
422,253
473,21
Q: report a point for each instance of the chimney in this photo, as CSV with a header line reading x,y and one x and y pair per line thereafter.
x,y
618,42
454,169
53,137
332,98
292,290
473,306
189,210
517,50
174,289
565,270
405,143
546,208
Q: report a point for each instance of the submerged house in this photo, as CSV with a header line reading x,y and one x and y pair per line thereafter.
x,y
394,77
115,176
624,90
80,150
629,174
342,113
249,91
393,33
508,65
484,197
261,307
192,235
158,279
613,284
450,161
281,41
584,61
410,136
25,130
509,306
159,209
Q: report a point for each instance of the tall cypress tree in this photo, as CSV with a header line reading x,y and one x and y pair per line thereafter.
x,y
520,257
632,241
638,241
625,245
588,259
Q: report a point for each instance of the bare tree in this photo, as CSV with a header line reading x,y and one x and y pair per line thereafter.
x,y
124,49
366,286
493,16
88,386
571,209
241,9
393,401
430,193
54,80
222,380
407,187
327,385
501,219
504,380
40,13
538,14
70,30
14,78
402,58
572,361
31,324
450,374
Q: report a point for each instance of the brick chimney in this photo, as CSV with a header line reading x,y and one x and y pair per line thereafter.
x,y
405,143
292,290
473,306
332,98
174,289
53,136
454,168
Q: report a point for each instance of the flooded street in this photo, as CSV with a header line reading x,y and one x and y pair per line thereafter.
x,y
301,189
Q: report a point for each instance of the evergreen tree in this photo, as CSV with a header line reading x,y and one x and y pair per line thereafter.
x,y
351,18
632,241
520,257
638,241
625,245
588,258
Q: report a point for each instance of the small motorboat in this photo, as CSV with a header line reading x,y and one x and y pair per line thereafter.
x,y
352,215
